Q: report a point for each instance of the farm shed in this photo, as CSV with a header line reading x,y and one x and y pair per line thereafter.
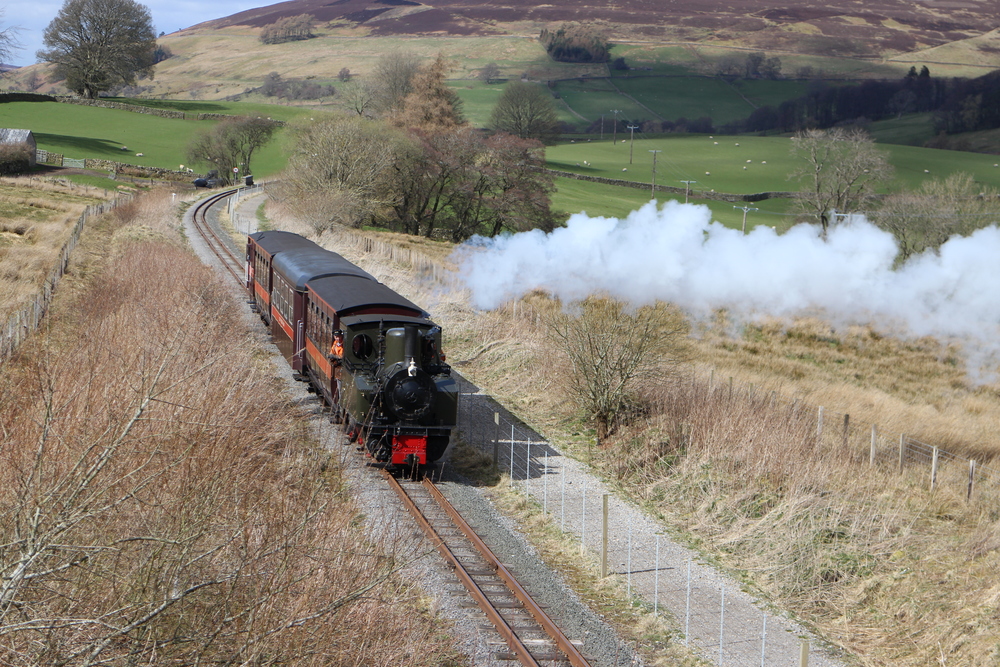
x,y
9,137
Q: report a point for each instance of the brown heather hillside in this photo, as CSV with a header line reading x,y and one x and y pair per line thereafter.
x,y
836,27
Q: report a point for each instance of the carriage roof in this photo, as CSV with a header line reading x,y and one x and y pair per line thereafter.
x,y
350,293
306,264
273,242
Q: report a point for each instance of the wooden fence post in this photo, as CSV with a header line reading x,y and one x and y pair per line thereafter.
x,y
819,426
902,445
871,455
972,479
847,427
934,467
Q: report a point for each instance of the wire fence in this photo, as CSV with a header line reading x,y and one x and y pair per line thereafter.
x,y
242,223
24,321
718,622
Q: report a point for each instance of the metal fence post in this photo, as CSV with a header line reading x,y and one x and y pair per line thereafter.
x,y
527,467
656,578
545,486
496,440
604,537
687,607
722,620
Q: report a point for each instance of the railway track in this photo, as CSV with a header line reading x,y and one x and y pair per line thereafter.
x,y
532,636
231,262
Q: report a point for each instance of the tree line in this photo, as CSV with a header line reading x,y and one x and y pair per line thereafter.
x,y
959,105
288,29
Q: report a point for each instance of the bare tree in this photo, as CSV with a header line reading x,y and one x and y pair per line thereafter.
x,y
489,73
360,96
231,144
393,78
611,349
842,168
8,41
97,44
936,211
340,170
526,111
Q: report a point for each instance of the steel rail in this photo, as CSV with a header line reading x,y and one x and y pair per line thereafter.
x,y
503,628
562,641
216,244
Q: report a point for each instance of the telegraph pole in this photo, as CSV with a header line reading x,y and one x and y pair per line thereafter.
x,y
615,129
745,209
631,129
652,188
687,189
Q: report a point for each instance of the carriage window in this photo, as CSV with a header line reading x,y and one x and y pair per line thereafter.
x,y
362,346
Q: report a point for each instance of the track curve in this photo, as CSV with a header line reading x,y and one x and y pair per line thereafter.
x,y
232,263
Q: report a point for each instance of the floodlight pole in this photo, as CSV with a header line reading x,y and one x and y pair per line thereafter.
x,y
687,189
652,188
745,209
631,129
614,130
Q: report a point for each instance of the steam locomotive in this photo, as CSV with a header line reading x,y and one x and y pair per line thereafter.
x,y
373,355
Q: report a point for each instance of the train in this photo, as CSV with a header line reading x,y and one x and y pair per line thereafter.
x,y
373,356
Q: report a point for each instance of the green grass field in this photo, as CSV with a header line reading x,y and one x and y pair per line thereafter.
x,y
745,164
94,132
611,201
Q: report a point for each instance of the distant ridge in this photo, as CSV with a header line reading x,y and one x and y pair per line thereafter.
x,y
835,26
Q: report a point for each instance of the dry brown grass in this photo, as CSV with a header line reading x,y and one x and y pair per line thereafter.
x,y
36,219
918,387
162,503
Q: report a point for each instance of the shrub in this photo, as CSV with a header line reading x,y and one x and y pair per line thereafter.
x,y
14,159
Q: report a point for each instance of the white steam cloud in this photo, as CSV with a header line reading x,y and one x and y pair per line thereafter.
x,y
678,254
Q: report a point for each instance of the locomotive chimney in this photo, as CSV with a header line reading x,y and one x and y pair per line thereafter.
x,y
410,348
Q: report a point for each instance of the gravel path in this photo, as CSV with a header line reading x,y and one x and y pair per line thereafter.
x,y
725,625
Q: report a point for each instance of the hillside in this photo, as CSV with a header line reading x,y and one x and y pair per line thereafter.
x,y
840,27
